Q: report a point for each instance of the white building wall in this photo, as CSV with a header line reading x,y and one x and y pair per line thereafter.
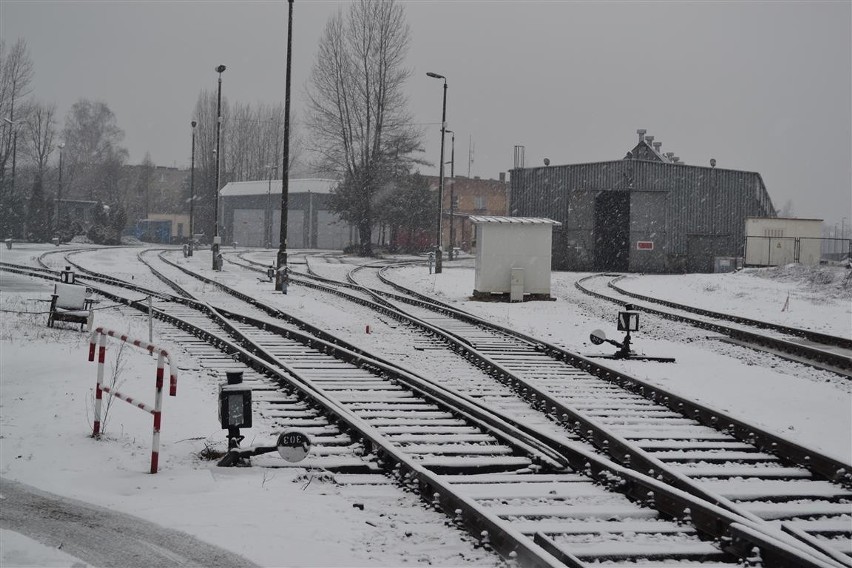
x,y
777,241
500,247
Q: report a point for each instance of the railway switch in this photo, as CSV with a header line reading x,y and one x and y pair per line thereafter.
x,y
628,321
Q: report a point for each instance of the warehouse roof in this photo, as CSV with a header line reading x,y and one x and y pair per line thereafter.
x,y
479,219
262,187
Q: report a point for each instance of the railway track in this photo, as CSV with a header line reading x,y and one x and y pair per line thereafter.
x,y
819,350
724,460
531,492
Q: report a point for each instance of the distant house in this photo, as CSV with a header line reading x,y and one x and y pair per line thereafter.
x,y
251,215
465,197
78,211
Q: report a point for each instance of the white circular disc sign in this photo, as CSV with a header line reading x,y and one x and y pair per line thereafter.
x,y
293,445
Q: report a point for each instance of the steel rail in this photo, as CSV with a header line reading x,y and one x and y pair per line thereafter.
x,y
821,465
615,446
815,336
833,362
738,534
679,480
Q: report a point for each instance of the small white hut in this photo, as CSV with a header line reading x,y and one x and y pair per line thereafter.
x,y
513,256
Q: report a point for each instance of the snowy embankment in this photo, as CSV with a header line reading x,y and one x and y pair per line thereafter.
x,y
814,298
273,517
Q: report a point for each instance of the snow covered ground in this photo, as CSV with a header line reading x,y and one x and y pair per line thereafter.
x,y
289,516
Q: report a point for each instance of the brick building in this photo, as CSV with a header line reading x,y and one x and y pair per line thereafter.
x,y
469,196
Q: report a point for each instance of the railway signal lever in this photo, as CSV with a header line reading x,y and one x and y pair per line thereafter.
x,y
234,410
628,321
235,413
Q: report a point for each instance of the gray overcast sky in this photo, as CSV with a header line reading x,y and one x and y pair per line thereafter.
x,y
760,86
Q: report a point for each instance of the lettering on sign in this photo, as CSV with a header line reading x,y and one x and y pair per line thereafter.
x,y
293,445
644,245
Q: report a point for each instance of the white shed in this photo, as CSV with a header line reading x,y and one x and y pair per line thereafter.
x,y
775,241
513,256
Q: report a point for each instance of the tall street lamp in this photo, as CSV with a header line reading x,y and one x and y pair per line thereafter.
x,y
61,146
192,191
281,272
217,240
438,260
450,253
267,233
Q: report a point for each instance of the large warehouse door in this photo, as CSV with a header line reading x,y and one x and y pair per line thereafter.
x,y
612,231
332,233
295,228
248,227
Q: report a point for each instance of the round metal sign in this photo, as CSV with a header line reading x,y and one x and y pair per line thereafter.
x,y
293,445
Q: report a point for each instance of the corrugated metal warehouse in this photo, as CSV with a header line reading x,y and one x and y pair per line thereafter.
x,y
647,212
251,214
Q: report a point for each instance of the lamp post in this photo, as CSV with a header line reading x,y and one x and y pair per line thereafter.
x,y
61,145
192,191
438,259
281,272
267,233
450,253
217,240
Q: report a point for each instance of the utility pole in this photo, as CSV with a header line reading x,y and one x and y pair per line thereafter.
x,y
281,272
217,240
450,253
192,190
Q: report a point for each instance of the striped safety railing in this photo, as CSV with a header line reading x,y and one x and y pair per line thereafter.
x,y
98,338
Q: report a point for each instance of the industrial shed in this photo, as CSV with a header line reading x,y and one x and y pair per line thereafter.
x,y
647,212
251,215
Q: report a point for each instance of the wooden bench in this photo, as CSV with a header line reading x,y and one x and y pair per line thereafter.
x,y
69,303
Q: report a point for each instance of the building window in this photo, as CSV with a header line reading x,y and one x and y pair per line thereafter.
x,y
479,202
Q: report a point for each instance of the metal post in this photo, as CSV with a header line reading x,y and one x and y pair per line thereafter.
x,y
267,233
451,252
281,275
192,190
14,155
438,251
216,238
61,145
150,320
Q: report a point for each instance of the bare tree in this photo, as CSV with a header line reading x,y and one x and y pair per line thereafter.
x,y
16,71
92,151
205,159
39,135
254,137
362,130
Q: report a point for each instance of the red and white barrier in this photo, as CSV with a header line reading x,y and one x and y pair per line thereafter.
x,y
163,356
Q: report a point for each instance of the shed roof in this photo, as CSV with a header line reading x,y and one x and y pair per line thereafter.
x,y
261,187
482,219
